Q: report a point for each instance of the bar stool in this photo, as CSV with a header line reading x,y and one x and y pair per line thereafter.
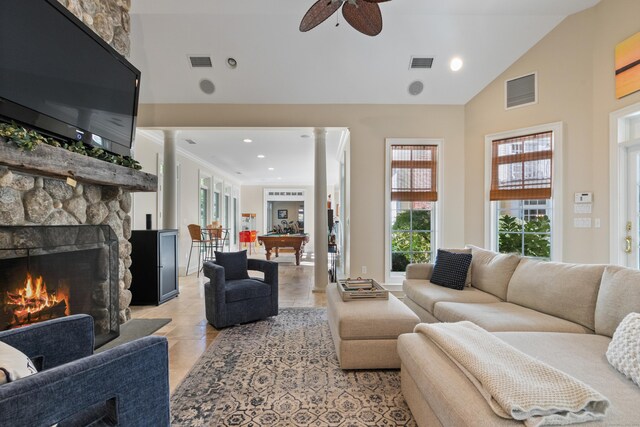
x,y
197,239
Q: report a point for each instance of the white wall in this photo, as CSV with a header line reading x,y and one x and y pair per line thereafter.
x,y
147,152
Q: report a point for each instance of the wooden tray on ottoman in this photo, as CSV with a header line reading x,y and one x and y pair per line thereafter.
x,y
357,289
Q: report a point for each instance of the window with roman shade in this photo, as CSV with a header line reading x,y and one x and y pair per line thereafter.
x,y
521,167
413,173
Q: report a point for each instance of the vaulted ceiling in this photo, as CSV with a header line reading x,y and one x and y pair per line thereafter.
x,y
278,64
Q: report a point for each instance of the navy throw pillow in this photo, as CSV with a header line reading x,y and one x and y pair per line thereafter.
x,y
234,263
450,269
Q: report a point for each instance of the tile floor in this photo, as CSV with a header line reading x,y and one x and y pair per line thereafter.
x,y
189,334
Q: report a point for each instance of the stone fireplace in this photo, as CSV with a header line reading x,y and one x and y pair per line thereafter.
x,y
34,186
54,271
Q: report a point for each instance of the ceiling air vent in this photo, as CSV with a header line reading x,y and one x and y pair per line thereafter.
x,y
420,63
521,91
200,61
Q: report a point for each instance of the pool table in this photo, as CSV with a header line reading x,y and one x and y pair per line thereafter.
x,y
275,241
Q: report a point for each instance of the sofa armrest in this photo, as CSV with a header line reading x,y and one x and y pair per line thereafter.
x,y
54,342
133,379
269,268
419,271
215,274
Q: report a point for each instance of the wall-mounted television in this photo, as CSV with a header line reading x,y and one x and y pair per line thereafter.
x,y
57,76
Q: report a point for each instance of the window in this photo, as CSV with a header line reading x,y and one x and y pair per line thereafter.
x,y
523,184
204,201
412,196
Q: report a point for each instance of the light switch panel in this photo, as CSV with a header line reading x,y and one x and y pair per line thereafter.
x,y
582,208
582,222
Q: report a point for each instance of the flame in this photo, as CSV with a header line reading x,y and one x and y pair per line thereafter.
x,y
34,298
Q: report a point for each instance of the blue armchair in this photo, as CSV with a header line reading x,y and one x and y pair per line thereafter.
x,y
240,301
127,385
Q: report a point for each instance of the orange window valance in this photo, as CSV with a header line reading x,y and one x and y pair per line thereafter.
x,y
414,172
521,167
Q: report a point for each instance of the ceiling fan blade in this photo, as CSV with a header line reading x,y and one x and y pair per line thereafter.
x,y
318,13
364,17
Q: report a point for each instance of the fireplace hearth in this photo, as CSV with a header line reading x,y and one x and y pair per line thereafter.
x,y
55,271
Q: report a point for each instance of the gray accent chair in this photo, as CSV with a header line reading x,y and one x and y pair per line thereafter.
x,y
127,385
238,301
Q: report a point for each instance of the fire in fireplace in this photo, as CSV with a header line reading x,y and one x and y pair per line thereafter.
x,y
53,271
33,302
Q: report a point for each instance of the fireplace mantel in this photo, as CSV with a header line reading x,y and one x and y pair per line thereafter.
x,y
57,162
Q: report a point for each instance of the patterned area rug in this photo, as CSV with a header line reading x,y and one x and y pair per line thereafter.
x,y
284,372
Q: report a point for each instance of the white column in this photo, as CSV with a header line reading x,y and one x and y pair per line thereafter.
x,y
170,181
321,228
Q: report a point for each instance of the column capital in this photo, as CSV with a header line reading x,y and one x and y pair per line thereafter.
x,y
170,133
320,132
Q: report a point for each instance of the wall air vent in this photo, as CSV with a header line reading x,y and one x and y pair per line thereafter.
x,y
521,91
420,63
197,61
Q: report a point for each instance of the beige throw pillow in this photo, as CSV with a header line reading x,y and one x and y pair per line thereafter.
x,y
624,349
467,281
14,364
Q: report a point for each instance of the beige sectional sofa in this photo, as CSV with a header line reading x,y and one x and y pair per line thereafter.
x,y
563,314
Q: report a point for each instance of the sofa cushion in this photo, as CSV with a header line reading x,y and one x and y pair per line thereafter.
x,y
504,316
492,271
234,263
467,281
619,295
451,269
568,291
238,290
426,294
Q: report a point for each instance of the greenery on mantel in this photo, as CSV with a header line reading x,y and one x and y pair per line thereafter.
x,y
28,140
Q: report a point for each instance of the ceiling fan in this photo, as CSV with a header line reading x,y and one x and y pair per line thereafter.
x,y
363,15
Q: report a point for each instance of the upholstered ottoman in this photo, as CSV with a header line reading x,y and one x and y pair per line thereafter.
x,y
365,332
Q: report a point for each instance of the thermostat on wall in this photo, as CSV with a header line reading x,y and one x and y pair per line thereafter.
x,y
584,197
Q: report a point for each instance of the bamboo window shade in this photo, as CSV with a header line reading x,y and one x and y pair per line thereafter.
x,y
521,167
413,173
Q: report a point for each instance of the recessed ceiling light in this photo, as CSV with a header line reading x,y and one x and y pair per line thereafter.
x,y
279,177
232,63
271,169
455,64
261,156
247,140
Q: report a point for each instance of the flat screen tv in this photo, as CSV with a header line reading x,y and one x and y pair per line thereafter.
x,y
59,77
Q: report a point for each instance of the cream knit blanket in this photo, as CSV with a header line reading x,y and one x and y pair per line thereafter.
x,y
515,384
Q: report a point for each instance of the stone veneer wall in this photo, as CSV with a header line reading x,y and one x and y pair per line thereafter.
x,y
29,200
108,18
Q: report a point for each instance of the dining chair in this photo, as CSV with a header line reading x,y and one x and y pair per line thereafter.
x,y
203,244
